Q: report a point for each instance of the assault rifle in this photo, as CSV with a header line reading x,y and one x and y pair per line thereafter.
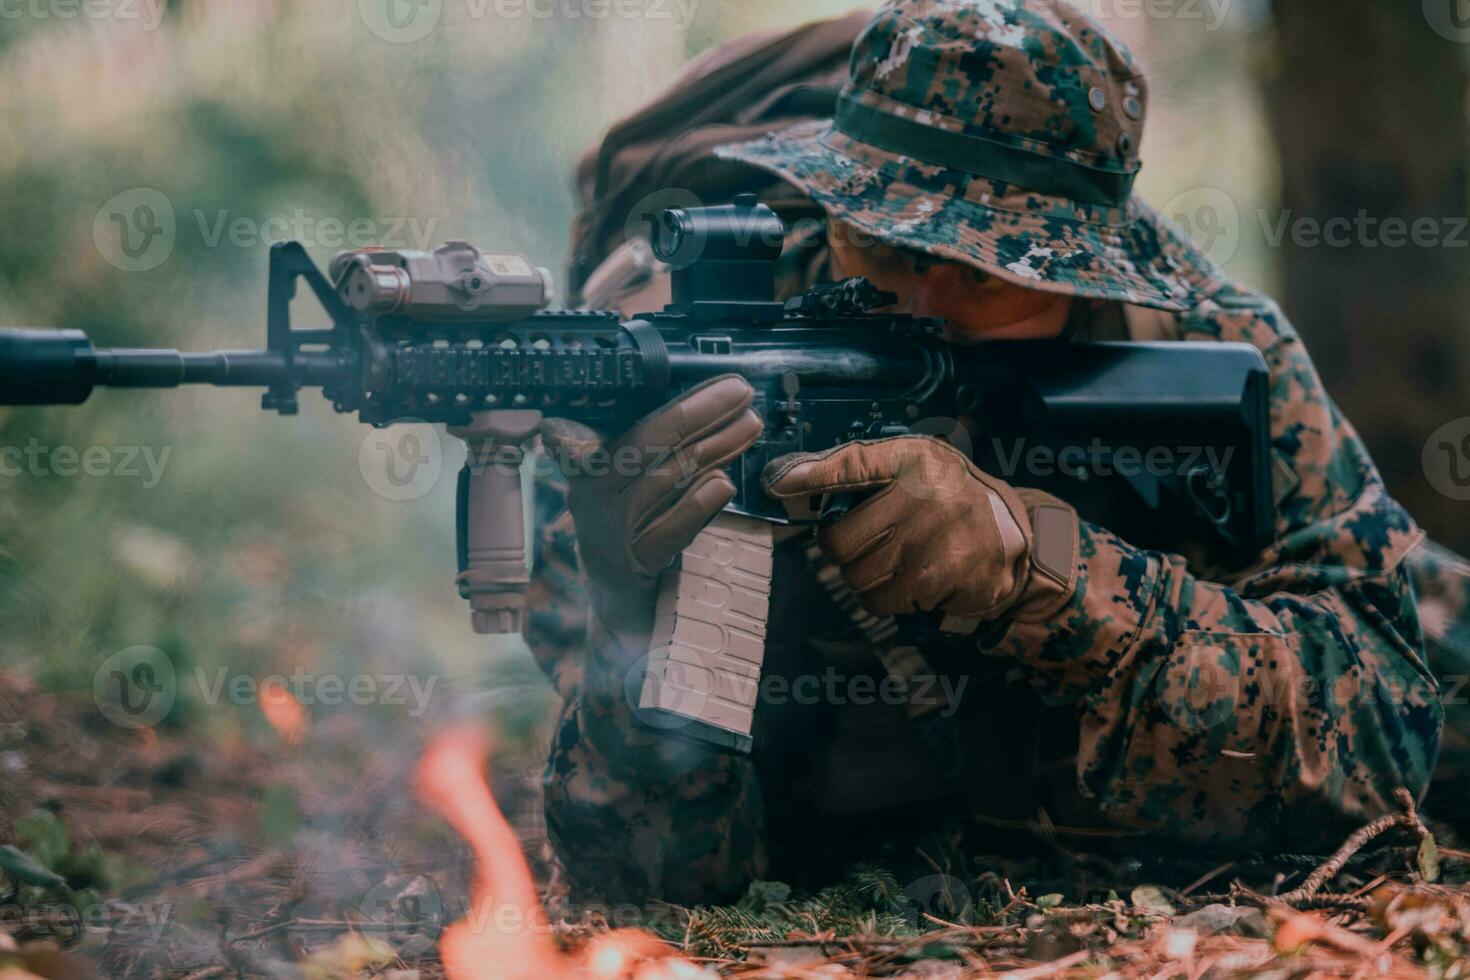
x,y
462,337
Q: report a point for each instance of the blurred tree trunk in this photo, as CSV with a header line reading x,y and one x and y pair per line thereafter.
x,y
1369,109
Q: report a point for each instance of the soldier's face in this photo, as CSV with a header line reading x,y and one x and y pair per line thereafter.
x,y
975,305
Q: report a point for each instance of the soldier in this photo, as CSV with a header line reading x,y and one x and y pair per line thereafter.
x,y
980,166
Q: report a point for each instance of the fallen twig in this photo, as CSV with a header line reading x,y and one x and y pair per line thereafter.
x,y
1408,817
1207,877
1052,968
208,973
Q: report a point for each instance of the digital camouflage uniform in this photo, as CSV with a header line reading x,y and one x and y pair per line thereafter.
x,y
1271,705
1442,587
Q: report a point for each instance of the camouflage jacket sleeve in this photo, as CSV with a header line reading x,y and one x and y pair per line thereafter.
x,y
636,814
556,605
633,814
1274,704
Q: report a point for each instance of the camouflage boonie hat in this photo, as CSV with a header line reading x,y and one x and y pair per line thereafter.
x,y
1000,133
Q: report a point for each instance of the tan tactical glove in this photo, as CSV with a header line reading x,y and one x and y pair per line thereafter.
x,y
641,500
938,533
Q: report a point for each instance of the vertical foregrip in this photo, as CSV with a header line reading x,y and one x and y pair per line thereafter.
x,y
496,572
709,634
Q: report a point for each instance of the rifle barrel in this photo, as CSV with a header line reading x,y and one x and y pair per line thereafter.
x,y
133,368
61,367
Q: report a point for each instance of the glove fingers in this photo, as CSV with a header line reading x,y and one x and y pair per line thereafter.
x,y
863,528
570,444
852,466
869,542
882,564
669,477
658,544
693,415
892,598
727,443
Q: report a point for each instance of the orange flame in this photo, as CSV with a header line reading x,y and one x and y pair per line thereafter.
x,y
283,711
505,936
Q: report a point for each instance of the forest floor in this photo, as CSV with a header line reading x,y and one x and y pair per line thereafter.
x,y
153,854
